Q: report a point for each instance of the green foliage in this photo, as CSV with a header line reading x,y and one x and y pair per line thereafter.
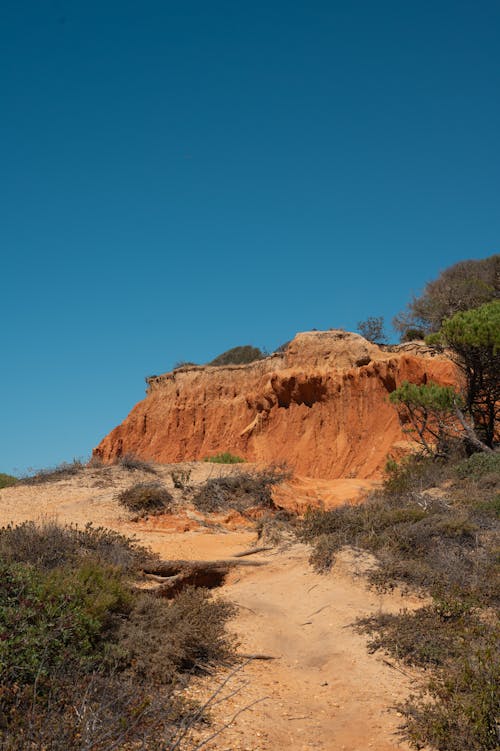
x,y
224,457
427,396
474,338
479,466
413,334
478,328
238,356
373,329
428,413
465,285
48,618
7,480
464,705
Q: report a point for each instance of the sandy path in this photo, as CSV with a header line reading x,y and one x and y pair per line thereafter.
x,y
325,691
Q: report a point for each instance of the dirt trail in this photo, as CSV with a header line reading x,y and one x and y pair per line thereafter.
x,y
324,691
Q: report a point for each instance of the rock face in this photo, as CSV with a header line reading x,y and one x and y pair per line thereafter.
x,y
322,406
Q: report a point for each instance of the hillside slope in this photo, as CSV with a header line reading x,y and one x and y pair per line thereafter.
x,y
321,406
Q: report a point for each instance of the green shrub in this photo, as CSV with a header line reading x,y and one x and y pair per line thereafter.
x,y
478,466
224,457
461,705
431,635
147,498
238,356
7,480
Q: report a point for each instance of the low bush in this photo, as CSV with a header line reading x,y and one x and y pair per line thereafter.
x,y
224,458
7,480
479,466
184,364
239,492
277,528
89,662
50,545
238,356
181,478
432,635
134,464
55,474
189,635
461,705
147,498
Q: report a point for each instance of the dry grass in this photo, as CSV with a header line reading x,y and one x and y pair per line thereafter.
x,y
239,492
147,498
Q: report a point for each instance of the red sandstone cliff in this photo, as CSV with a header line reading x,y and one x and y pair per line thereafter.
x,y
321,406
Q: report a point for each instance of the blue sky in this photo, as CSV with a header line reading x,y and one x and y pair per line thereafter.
x,y
182,177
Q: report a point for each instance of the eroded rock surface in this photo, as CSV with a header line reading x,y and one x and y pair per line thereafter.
x,y
322,406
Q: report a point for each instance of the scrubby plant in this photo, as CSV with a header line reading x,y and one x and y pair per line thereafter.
x,y
463,286
134,464
180,478
224,457
282,347
373,329
147,498
7,480
50,545
54,474
473,336
412,334
428,412
239,492
276,527
184,364
238,356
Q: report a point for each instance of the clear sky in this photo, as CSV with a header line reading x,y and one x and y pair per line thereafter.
x,y
178,178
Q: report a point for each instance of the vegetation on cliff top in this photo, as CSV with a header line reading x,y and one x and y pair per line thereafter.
x,y
465,285
7,480
238,356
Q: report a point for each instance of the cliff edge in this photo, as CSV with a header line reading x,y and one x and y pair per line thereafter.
x,y
321,405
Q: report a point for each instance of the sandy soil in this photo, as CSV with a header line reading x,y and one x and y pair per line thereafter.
x,y
323,691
